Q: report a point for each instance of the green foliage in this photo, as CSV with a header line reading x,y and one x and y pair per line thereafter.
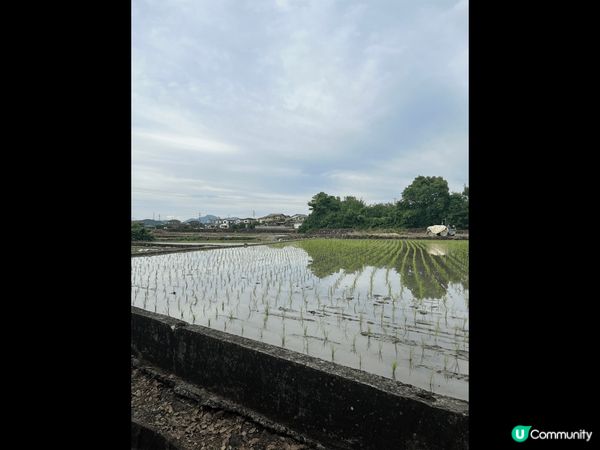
x,y
426,267
424,202
242,226
458,210
427,201
328,211
139,233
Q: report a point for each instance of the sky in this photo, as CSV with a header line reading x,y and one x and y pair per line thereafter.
x,y
243,107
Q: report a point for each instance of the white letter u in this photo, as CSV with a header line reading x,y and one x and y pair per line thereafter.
x,y
520,433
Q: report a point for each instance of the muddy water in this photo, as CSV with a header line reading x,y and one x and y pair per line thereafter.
x,y
398,309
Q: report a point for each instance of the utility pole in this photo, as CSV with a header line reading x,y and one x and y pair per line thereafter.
x,y
153,216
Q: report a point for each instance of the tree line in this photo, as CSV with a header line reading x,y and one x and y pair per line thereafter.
x,y
140,233
426,201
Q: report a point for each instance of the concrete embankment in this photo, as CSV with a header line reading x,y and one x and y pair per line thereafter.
x,y
341,407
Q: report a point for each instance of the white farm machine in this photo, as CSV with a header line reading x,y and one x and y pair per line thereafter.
x,y
440,230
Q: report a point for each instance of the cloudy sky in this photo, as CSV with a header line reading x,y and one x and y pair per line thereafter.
x,y
257,105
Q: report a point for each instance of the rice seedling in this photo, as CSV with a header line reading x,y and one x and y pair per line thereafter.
x,y
339,284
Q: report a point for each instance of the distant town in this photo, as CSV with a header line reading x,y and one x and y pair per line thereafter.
x,y
275,221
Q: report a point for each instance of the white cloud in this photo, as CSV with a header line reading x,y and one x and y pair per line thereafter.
x,y
241,105
177,141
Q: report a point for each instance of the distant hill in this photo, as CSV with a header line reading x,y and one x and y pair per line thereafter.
x,y
203,219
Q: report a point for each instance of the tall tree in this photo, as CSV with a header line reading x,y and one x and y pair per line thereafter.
x,y
424,202
324,211
458,209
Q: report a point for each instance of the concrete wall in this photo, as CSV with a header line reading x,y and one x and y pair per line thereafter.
x,y
342,407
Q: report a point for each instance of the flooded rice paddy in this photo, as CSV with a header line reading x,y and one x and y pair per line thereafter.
x,y
394,308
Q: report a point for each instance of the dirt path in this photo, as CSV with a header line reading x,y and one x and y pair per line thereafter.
x,y
191,426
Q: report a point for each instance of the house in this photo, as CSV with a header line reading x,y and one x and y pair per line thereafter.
x,y
175,224
298,218
273,219
222,223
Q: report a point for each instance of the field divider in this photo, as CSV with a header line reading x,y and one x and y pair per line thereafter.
x,y
341,407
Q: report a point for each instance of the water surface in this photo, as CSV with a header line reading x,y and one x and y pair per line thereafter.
x,y
395,308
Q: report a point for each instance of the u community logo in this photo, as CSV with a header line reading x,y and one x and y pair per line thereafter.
x,y
520,433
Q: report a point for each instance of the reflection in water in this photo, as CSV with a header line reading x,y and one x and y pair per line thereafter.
x,y
436,250
426,268
394,308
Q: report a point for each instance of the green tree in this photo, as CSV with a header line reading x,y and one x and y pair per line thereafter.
x,y
324,212
424,202
427,201
458,209
140,233
351,213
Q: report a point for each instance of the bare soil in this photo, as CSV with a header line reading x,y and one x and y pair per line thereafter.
x,y
189,425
